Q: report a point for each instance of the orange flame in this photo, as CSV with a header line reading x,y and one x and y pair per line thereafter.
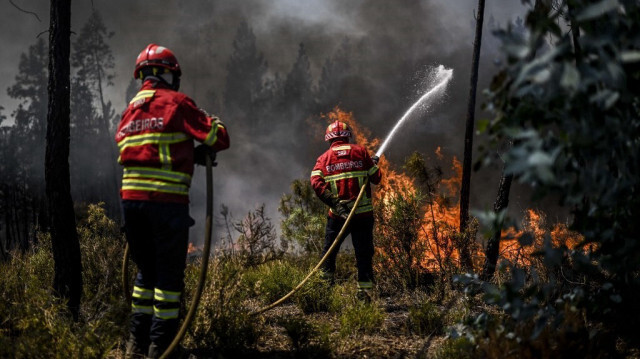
x,y
440,226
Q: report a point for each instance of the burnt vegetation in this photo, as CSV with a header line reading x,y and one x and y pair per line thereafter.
x,y
564,113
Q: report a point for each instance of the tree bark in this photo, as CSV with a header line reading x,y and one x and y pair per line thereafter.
x,y
493,245
67,280
465,189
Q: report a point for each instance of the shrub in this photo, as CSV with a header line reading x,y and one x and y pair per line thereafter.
x,y
315,295
399,250
304,217
308,340
456,348
425,318
222,323
257,240
37,324
360,317
272,280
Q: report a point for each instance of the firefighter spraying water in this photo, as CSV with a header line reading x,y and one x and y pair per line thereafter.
x,y
341,179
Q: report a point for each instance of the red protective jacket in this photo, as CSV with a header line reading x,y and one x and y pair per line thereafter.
x,y
155,137
343,169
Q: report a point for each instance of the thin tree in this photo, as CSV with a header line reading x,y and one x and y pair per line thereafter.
x,y
465,190
67,280
492,251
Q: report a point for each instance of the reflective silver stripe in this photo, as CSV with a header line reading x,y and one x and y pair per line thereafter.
x,y
156,173
373,170
142,293
212,137
365,285
167,296
152,138
316,173
166,313
148,185
144,309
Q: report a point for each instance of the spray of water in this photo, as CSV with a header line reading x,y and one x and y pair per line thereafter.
x,y
440,78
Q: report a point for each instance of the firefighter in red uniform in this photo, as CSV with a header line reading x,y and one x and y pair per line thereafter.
x,y
156,142
337,178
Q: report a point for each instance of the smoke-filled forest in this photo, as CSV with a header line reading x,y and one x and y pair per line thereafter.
x,y
505,220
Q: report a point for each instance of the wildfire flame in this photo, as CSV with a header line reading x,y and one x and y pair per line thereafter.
x,y
440,225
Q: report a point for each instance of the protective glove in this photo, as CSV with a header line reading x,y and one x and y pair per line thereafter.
x,y
375,160
200,154
343,208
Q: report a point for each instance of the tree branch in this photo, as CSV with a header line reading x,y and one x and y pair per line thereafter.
x,y
25,11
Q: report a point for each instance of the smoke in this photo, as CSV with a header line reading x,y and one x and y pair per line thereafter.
x,y
389,44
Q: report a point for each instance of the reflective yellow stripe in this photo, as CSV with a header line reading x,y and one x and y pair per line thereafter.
x,y
165,156
166,313
152,138
156,173
143,95
142,293
365,285
212,137
167,296
373,170
352,174
316,173
344,147
150,185
144,309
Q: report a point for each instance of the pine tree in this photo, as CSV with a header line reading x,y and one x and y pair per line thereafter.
x,y
335,71
246,72
93,62
297,89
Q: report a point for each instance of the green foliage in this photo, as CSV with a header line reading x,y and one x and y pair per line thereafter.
x,y
456,348
272,280
304,217
222,322
309,340
360,317
426,318
37,324
400,253
571,110
315,296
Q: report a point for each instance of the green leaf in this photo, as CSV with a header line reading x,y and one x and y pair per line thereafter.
x,y
598,9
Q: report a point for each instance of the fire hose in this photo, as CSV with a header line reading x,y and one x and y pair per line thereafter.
x,y
341,234
203,267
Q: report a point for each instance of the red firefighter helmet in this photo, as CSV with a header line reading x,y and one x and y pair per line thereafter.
x,y
337,129
156,55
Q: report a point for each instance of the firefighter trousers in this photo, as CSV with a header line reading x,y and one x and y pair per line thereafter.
x,y
158,235
361,230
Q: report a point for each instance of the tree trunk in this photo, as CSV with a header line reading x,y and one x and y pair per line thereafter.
x,y
465,190
493,245
502,200
67,280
